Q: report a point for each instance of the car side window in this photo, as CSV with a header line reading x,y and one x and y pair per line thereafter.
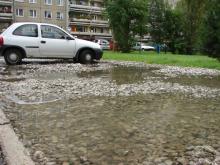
x,y
105,42
28,30
52,32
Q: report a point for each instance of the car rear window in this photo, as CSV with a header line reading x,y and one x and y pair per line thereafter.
x,y
28,30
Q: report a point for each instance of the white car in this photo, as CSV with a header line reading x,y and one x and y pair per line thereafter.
x,y
105,45
142,46
40,40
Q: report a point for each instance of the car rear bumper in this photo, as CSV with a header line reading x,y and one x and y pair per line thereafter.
x,y
98,54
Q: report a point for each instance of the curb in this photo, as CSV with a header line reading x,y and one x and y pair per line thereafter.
x,y
13,150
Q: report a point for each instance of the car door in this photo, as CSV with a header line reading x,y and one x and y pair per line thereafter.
x,y
55,43
27,36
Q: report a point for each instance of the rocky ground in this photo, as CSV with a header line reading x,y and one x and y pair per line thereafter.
x,y
36,83
37,86
194,155
2,160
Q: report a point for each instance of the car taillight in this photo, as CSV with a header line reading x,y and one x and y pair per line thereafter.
x,y
1,41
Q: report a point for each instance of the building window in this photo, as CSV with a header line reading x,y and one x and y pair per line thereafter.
x,y
60,2
102,30
48,2
81,2
93,30
81,29
32,1
19,12
33,13
48,14
59,15
95,17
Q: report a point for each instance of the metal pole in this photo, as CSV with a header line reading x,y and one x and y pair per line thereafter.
x,y
13,10
67,14
40,11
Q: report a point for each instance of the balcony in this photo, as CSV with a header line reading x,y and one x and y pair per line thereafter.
x,y
99,22
5,18
97,1
6,15
86,22
6,10
92,34
6,2
86,9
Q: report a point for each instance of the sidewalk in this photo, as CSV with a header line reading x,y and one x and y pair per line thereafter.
x,y
13,149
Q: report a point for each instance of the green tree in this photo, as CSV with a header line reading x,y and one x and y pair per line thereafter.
x,y
156,20
211,29
193,12
166,25
173,31
125,17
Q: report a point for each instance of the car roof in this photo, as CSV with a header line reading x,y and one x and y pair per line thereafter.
x,y
37,23
17,24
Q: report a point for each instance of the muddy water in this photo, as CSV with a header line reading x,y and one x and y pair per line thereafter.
x,y
123,75
122,129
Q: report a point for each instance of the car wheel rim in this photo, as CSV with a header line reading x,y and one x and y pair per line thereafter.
x,y
13,57
88,57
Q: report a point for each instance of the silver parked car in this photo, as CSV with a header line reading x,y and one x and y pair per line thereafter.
x,y
143,47
105,45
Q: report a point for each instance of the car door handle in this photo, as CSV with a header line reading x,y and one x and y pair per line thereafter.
x,y
43,42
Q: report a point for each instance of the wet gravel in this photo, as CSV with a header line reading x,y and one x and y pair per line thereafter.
x,y
35,83
2,160
117,115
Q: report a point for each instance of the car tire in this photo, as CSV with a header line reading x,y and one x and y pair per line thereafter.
x,y
86,57
13,57
75,60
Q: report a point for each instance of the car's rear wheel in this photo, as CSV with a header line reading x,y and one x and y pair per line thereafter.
x,y
13,57
86,57
75,60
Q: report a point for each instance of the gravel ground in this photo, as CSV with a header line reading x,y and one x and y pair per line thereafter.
x,y
35,89
2,161
35,84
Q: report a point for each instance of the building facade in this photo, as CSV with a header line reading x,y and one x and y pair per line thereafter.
x,y
6,14
45,11
86,20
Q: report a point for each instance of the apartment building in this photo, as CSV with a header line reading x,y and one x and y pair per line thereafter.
x,y
86,20
45,11
6,14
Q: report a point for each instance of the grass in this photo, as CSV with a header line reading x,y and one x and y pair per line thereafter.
x,y
167,59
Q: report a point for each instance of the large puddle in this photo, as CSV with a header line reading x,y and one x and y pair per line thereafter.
x,y
121,129
124,129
